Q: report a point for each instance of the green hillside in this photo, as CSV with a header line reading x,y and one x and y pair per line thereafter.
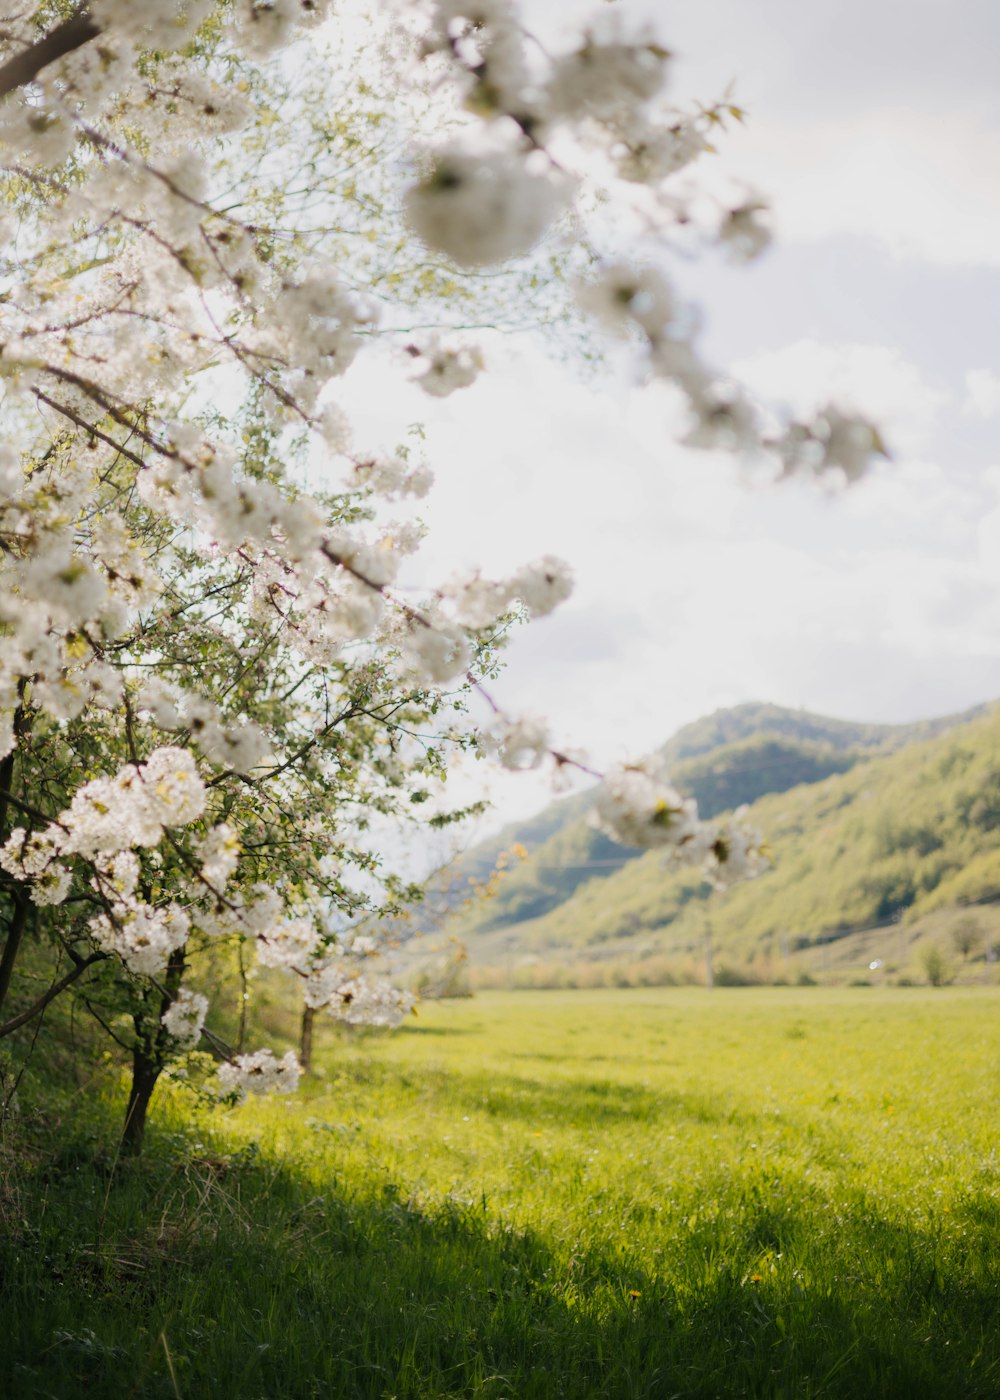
x,y
723,760
896,836
754,718
575,854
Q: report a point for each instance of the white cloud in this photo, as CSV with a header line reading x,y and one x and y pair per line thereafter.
x,y
921,183
982,393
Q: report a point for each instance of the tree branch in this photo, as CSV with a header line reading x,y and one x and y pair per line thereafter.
x,y
25,66
39,1006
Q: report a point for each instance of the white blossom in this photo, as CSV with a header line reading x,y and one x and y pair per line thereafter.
x,y
484,207
653,151
362,1002
834,443
542,586
27,855
185,1016
393,477
638,806
52,885
143,936
446,368
745,232
219,851
736,852
520,744
259,1073
624,295
605,77
290,945
437,651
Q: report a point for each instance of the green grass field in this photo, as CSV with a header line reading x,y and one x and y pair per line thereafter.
x,y
781,1192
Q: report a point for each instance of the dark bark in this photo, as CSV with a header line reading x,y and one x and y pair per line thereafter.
x,y
15,931
306,1046
12,944
25,66
150,1052
7,774
146,1070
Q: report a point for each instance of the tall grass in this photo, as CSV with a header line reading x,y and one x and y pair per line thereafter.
x,y
632,1194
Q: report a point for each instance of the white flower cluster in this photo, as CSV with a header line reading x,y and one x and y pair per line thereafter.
x,y
736,852
746,230
835,444
519,744
241,746
159,24
142,935
435,644
446,368
650,153
623,295
638,806
393,477
315,324
32,857
133,808
291,945
184,1018
105,817
483,207
259,1073
220,854
608,78
541,586
244,913
332,979
364,1001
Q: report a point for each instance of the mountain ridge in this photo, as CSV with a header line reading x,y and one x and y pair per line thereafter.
x,y
731,757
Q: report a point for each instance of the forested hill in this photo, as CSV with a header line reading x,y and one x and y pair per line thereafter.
x,y
896,836
754,719
723,760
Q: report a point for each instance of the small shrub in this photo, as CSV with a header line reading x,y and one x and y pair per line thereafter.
x,y
935,965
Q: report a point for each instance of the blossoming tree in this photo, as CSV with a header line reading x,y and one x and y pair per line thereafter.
x,y
209,685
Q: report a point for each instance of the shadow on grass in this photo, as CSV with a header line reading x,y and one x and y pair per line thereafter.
x,y
200,1274
563,1099
422,1031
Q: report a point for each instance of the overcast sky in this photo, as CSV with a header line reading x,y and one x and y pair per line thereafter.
x,y
874,128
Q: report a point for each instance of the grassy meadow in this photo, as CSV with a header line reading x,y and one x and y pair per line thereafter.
x,y
665,1193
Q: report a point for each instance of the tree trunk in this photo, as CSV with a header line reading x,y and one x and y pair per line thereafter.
x,y
19,916
306,1046
12,943
148,1053
145,1072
